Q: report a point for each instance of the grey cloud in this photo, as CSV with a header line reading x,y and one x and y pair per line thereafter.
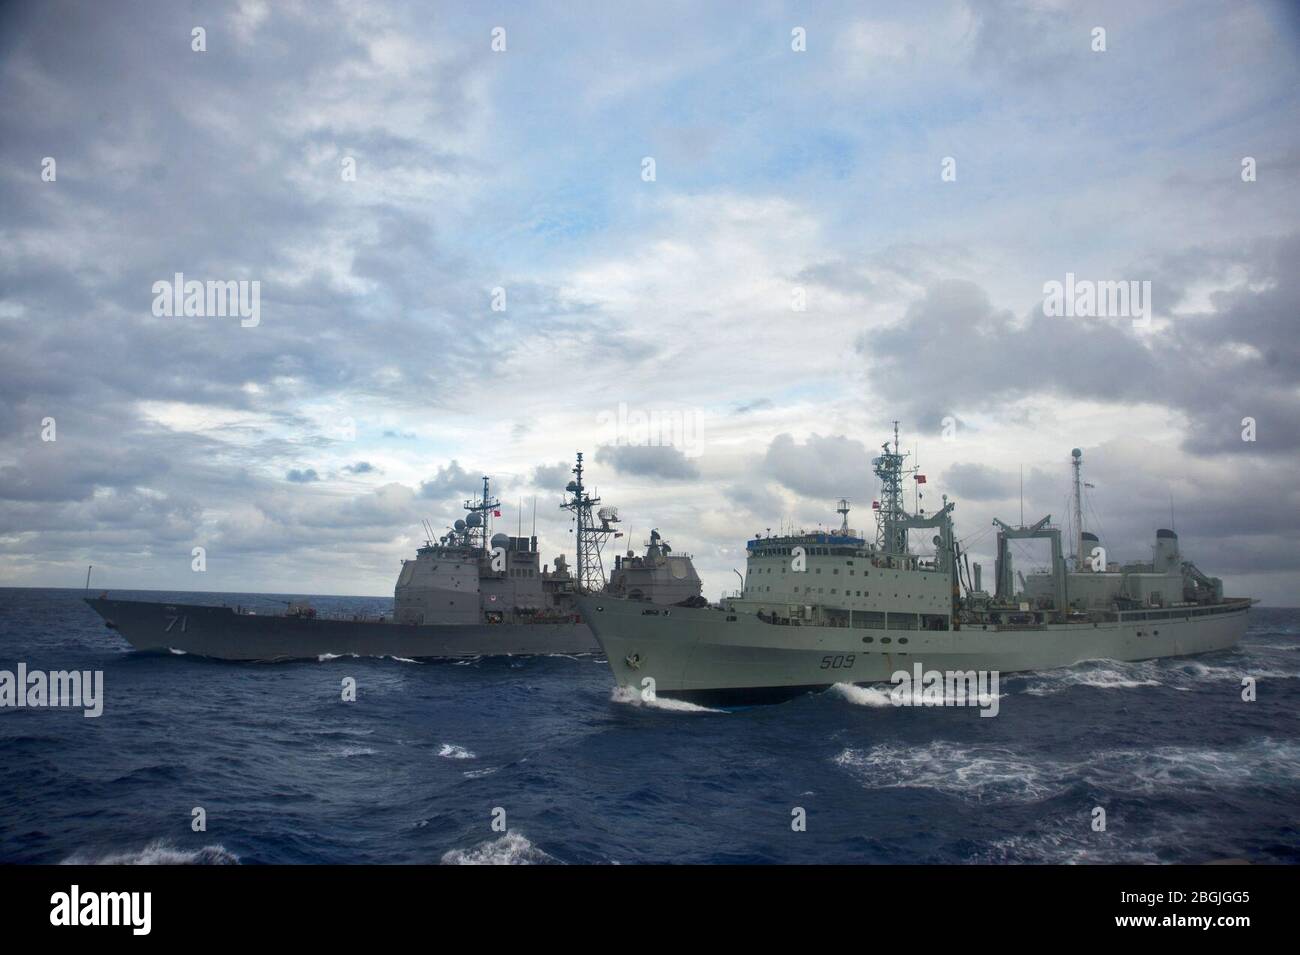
x,y
748,407
826,467
552,476
450,479
664,461
978,482
1241,359
302,477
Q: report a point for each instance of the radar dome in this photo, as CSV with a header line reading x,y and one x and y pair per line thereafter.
x,y
1076,453
474,520
500,540
459,525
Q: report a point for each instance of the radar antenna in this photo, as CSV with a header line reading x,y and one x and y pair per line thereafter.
x,y
592,531
477,532
891,527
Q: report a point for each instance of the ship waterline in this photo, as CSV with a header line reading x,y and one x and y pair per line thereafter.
x,y
222,633
717,658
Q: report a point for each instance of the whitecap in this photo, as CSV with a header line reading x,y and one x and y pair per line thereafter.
x,y
159,852
861,695
452,751
511,849
633,697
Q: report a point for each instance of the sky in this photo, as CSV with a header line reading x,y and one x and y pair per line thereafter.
x,y
719,248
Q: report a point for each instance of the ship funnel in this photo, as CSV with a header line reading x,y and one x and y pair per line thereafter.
x,y
1087,541
1167,557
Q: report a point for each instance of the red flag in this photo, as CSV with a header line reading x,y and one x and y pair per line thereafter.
x,y
920,479
875,505
496,513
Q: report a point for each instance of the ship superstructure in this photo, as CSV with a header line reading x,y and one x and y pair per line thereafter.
x,y
468,577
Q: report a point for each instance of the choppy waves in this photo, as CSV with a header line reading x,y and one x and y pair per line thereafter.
x,y
631,697
511,849
159,852
984,773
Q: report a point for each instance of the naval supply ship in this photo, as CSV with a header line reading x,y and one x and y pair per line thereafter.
x,y
832,607
469,593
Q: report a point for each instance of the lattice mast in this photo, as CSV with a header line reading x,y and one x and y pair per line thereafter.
x,y
1077,462
591,531
891,531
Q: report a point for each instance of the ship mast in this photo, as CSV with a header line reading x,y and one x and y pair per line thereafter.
x,y
1077,455
891,529
590,534
484,509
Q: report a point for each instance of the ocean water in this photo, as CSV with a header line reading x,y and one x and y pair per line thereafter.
x,y
413,771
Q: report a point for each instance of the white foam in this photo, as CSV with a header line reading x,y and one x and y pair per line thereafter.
x,y
632,697
974,772
349,751
511,849
452,751
999,774
159,852
404,660
179,653
1119,676
478,773
883,695
862,695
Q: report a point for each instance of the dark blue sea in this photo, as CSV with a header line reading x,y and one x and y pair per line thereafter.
x,y
414,769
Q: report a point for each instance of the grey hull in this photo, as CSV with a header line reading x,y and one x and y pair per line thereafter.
x,y
716,658
221,633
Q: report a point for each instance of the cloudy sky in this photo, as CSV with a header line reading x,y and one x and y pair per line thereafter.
x,y
728,338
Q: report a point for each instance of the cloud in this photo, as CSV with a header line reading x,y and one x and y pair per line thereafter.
x,y
655,461
361,467
449,479
825,467
552,476
978,482
302,477
748,407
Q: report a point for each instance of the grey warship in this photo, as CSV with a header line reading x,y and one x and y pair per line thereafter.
x,y
469,593
817,609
